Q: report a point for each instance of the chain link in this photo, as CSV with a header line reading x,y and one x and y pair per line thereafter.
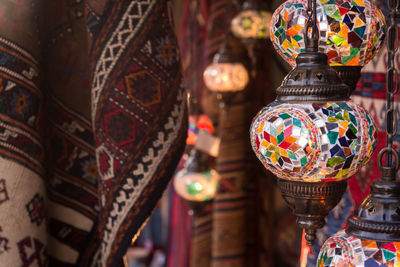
x,y
311,42
392,85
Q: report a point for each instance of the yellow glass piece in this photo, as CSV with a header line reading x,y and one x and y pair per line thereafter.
x,y
273,159
283,152
265,143
344,124
260,128
295,44
359,22
359,2
342,173
344,31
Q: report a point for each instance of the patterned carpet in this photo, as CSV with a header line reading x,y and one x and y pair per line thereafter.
x,y
86,146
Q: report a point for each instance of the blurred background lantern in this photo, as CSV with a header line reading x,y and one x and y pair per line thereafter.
x,y
197,183
228,73
253,21
226,77
312,137
351,33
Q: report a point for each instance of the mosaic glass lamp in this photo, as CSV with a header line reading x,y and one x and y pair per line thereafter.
x,y
197,183
313,138
373,234
351,33
372,237
253,21
228,72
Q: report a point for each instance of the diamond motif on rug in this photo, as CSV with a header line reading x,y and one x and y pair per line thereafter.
x,y
135,82
105,163
36,209
120,127
3,191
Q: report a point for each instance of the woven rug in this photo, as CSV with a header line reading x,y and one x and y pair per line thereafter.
x,y
139,116
86,146
23,235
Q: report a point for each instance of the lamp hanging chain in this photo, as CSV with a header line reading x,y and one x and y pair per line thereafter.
x,y
390,168
311,42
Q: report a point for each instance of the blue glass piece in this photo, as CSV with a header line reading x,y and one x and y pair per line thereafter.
x,y
347,19
331,126
334,150
343,142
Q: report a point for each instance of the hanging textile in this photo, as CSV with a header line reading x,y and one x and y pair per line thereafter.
x,y
23,236
139,116
70,160
90,144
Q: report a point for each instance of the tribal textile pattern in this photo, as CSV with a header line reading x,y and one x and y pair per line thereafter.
x,y
139,116
345,250
20,107
351,32
313,142
72,175
23,239
72,185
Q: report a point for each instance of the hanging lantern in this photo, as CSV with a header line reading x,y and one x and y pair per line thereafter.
x,y
254,21
313,142
226,77
373,234
312,137
228,72
197,183
351,33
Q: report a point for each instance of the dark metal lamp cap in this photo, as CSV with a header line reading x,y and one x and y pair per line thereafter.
x,y
198,161
312,80
255,5
232,51
378,216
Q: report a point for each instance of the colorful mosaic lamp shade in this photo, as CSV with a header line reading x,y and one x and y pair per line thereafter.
x,y
252,23
343,249
313,138
226,77
351,32
313,142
